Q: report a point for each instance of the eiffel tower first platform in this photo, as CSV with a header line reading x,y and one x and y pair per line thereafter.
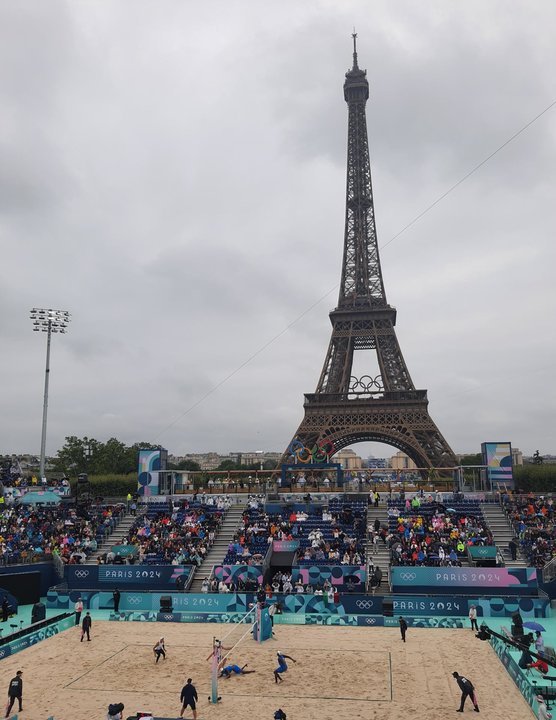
x,y
386,408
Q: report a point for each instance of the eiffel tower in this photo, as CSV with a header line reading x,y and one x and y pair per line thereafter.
x,y
386,408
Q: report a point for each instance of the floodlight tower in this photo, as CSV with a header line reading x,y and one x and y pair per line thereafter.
x,y
48,321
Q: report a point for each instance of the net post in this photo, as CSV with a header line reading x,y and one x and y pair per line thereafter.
x,y
257,626
216,657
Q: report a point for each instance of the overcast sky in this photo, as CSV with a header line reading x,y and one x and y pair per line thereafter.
x,y
173,174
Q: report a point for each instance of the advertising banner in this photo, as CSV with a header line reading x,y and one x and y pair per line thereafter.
x,y
438,606
497,456
130,577
285,545
151,462
467,581
482,552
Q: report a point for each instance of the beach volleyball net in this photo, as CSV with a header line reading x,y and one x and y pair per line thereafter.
x,y
224,647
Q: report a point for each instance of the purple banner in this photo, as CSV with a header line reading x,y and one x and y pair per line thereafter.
x,y
409,579
285,545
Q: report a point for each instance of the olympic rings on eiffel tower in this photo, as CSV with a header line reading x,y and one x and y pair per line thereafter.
x,y
365,384
320,453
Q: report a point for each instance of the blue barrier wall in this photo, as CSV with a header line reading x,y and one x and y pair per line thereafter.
x,y
345,577
46,569
125,577
353,609
224,603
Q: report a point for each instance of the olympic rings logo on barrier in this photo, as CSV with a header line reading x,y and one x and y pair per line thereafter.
x,y
81,573
168,617
364,604
370,621
408,576
320,453
2,652
134,600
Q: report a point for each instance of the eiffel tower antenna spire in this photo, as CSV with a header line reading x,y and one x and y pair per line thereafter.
x,y
387,408
354,36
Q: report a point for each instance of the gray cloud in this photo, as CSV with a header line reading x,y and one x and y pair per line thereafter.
x,y
174,176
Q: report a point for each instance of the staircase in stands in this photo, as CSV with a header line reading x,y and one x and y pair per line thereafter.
x,y
502,533
217,553
120,532
382,557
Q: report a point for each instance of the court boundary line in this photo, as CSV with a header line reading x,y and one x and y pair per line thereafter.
x,y
96,666
242,695
234,694
391,678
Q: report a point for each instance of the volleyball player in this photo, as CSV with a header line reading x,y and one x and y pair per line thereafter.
x,y
159,649
282,666
230,670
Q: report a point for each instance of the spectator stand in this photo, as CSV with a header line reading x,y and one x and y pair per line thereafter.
x,y
35,532
310,541
533,522
178,532
434,534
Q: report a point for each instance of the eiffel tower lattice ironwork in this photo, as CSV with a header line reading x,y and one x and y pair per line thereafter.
x,y
386,408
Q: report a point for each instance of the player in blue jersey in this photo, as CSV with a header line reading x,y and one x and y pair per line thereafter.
x,y
282,666
230,670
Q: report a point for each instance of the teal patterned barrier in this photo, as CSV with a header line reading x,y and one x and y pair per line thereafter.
x,y
35,636
528,691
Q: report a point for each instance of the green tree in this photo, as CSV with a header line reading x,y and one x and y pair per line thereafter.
x,y
185,465
472,459
87,455
230,465
114,457
78,455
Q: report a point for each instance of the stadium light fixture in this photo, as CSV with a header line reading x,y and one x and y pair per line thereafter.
x,y
48,321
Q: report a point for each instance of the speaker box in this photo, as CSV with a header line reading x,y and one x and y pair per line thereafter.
x,y
517,631
517,619
388,608
166,604
38,612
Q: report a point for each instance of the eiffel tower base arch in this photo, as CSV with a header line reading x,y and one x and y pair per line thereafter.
x,y
404,424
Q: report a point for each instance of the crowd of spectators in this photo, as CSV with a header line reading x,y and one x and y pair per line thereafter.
x,y
534,526
333,535
282,583
14,481
181,534
30,533
431,534
241,585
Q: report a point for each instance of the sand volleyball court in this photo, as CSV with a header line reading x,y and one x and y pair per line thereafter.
x,y
340,672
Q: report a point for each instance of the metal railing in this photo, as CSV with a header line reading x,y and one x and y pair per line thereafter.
x,y
549,571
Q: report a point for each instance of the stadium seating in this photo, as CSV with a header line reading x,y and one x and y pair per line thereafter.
x,y
533,522
30,533
181,534
434,534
